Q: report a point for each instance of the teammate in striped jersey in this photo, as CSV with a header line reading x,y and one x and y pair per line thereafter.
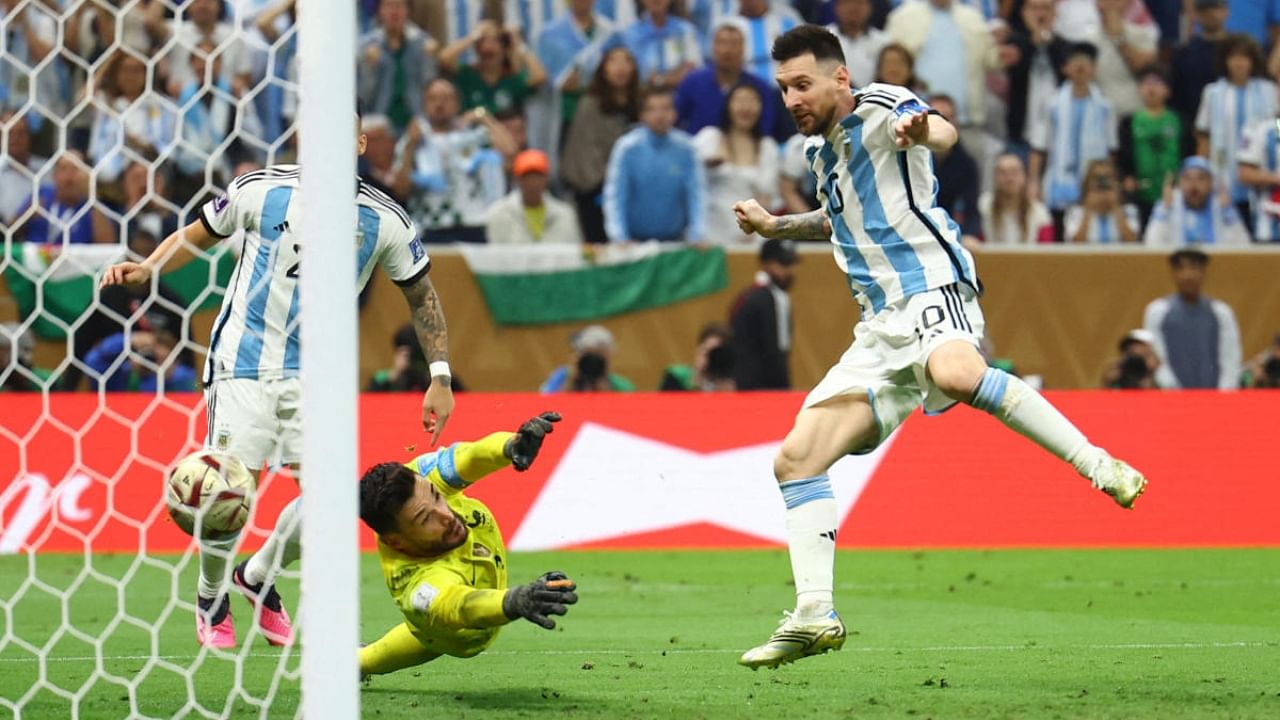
x,y
252,389
918,338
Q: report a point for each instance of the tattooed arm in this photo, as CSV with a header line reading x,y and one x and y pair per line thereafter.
x,y
806,226
433,336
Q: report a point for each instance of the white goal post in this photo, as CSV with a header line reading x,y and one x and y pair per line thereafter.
x,y
97,586
330,615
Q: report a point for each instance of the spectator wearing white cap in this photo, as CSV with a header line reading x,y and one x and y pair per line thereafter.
x,y
1136,367
529,214
588,368
1188,214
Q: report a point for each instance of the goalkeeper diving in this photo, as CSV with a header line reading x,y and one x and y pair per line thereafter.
x,y
443,556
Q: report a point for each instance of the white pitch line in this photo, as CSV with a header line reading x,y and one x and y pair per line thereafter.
x,y
719,651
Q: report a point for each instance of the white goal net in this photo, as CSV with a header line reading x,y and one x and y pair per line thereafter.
x,y
119,118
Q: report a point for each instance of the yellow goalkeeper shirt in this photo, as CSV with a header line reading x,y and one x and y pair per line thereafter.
x,y
452,603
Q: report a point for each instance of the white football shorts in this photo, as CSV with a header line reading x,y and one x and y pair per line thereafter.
x,y
890,352
257,421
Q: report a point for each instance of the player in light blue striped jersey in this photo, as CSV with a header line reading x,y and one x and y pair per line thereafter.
x,y
920,329
252,388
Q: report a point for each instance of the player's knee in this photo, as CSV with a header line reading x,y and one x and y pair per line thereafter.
x,y
788,464
957,376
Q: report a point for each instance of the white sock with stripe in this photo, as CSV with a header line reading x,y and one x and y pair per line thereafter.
x,y
280,550
812,516
1026,412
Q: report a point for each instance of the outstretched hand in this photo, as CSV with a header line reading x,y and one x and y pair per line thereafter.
x,y
125,273
548,595
437,406
752,217
911,130
523,447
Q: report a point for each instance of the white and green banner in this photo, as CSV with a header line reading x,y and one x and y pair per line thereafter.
x,y
537,285
59,283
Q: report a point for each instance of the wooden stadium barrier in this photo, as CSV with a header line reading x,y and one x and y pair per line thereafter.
x,y
1057,311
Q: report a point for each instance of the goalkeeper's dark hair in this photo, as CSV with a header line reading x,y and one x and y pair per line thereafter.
x,y
384,489
808,39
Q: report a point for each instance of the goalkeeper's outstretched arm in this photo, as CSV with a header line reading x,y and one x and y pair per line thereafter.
x,y
462,464
463,607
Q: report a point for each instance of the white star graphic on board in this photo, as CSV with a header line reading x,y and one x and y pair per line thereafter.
x,y
611,484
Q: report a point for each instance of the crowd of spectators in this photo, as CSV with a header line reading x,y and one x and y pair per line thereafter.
x,y
1164,94
548,121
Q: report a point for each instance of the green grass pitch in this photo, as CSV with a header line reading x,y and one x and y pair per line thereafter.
x,y
943,634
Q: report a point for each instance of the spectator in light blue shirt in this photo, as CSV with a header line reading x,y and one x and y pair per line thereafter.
x,y
1193,214
654,185
571,49
666,47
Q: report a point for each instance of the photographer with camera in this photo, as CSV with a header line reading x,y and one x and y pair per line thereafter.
x,y
1263,371
148,347
1102,217
588,368
712,366
1136,367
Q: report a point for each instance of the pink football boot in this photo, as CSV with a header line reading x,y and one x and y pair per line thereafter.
x,y
273,619
214,626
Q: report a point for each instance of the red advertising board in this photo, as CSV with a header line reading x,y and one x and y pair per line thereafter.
x,y
685,470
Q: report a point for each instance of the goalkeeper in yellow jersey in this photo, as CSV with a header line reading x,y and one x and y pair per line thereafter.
x,y
443,556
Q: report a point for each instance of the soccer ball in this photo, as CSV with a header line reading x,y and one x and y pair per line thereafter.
x,y
209,495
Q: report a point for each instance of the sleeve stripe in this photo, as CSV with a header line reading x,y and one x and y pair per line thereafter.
x,y
882,95
448,468
877,103
386,202
416,276
275,172
209,226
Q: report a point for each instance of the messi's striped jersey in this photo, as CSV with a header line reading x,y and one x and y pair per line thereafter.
x,y
891,239
256,333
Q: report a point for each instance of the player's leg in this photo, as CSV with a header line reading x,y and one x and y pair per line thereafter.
x,y
822,434
957,369
256,576
396,650
235,427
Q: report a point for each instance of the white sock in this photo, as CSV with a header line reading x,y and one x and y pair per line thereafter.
x,y
812,516
281,550
1026,412
215,556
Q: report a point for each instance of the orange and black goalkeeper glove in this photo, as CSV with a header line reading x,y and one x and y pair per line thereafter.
x,y
548,595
